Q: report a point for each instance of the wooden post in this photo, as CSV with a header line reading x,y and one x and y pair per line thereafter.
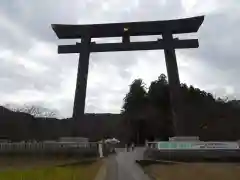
x,y
100,148
174,83
126,36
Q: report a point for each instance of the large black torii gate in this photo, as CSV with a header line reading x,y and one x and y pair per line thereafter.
x,y
125,30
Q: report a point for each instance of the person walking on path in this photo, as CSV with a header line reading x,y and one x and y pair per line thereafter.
x,y
133,146
128,146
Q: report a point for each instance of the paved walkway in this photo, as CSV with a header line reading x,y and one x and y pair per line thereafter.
x,y
122,166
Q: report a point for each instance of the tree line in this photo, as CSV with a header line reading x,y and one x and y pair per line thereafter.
x,y
145,114
205,116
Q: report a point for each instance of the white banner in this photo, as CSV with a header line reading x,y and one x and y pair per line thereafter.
x,y
197,145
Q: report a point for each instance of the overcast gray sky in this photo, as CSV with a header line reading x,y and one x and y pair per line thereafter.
x,y
31,71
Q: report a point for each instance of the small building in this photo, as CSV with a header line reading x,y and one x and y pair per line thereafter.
x,y
73,140
50,141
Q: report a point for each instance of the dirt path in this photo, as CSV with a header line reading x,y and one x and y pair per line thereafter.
x,y
122,166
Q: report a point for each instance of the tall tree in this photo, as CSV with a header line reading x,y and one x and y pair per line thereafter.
x,y
159,98
135,98
158,93
134,104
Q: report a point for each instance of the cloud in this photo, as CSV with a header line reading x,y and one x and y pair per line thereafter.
x,y
31,71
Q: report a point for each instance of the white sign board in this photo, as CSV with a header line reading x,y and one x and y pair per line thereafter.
x,y
197,145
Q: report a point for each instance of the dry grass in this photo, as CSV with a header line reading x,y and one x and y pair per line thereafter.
x,y
31,162
47,169
195,171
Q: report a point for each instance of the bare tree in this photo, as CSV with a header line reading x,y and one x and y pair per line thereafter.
x,y
34,110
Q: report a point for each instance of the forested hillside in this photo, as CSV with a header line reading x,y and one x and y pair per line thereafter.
x,y
145,111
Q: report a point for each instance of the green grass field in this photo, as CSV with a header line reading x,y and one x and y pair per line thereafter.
x,y
59,170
